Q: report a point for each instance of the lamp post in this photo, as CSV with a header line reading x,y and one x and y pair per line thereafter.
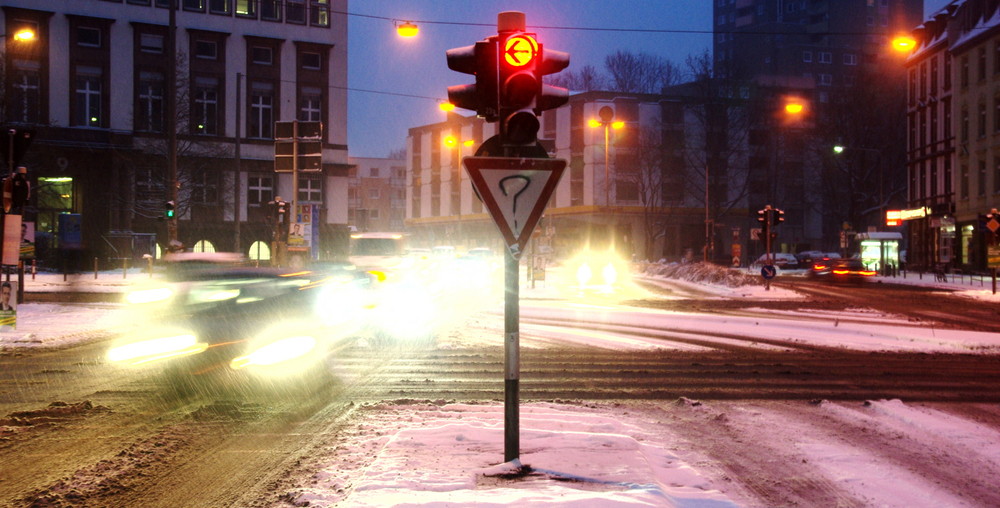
x,y
607,121
22,35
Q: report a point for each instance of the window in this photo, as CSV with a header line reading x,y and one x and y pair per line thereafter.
x,y
825,57
312,61
981,121
87,90
26,96
206,106
89,37
208,50
964,182
295,12
981,63
963,77
151,43
204,187
218,6
270,10
261,55
310,105
310,190
319,13
246,8
373,172
261,118
964,125
826,79
807,56
260,190
374,194
850,59
194,5
149,111
981,179
373,214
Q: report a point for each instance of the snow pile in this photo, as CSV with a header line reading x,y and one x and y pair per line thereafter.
x,y
707,273
408,453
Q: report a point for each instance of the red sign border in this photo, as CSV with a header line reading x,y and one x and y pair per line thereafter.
x,y
475,165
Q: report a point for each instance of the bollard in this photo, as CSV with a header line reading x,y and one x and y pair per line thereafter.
x,y
124,267
95,268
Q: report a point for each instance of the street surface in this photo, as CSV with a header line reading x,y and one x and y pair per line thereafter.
x,y
77,431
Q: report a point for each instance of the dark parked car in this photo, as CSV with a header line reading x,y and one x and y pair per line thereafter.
x,y
840,270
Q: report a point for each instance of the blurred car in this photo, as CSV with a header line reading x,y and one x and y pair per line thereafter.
x,y
782,260
840,270
219,321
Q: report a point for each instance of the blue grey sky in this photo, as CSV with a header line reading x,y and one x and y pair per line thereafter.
x,y
396,83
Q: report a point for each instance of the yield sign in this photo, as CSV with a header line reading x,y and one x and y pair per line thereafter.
x,y
514,191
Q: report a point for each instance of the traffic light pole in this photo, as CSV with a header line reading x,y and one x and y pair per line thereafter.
x,y
512,360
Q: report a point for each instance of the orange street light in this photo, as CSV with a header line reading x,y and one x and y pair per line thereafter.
x,y
904,43
24,35
794,107
407,29
446,107
607,121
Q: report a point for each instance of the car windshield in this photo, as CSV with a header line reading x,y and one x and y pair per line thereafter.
x,y
375,247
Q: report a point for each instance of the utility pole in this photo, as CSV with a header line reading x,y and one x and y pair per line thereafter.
x,y
172,184
236,151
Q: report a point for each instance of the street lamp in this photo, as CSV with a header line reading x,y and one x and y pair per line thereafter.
x,y
22,35
608,122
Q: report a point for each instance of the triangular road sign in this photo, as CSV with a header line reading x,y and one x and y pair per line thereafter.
x,y
514,190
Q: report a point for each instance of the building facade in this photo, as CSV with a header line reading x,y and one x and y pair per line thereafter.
x,y
954,133
94,86
836,53
377,194
639,190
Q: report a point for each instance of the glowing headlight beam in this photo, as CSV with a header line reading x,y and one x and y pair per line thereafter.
x,y
149,295
156,349
276,352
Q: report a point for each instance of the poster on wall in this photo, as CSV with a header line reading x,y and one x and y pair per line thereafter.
x,y
11,239
8,306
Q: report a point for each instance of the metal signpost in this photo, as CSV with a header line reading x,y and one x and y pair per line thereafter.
x,y
514,191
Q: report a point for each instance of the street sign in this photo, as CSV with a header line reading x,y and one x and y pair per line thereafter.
x,y
514,191
768,272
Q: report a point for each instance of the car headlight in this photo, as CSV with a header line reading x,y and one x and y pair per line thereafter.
x,y
161,347
276,352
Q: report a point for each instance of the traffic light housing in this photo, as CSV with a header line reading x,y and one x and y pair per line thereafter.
x,y
509,68
168,210
779,216
479,59
765,224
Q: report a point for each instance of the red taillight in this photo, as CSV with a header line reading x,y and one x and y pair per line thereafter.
x,y
841,272
820,267
867,273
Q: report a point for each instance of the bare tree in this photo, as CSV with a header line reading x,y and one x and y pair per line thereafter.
x,y
587,79
640,73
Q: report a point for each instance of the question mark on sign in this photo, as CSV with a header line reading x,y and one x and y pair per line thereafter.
x,y
503,188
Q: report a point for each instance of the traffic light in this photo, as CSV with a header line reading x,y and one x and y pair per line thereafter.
x,y
762,220
168,210
779,216
17,139
479,59
523,62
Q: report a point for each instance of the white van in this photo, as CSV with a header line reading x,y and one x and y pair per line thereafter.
x,y
378,251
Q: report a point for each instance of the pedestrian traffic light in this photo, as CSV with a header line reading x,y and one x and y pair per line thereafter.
x,y
479,59
168,210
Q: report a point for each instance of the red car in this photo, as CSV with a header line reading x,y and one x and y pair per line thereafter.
x,y
851,269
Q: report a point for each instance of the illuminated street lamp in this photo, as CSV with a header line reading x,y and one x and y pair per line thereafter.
x,y
22,35
407,29
608,122
904,43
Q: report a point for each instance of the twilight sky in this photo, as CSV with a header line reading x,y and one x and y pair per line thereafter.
x,y
397,83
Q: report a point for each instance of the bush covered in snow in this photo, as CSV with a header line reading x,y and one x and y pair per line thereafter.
x,y
707,273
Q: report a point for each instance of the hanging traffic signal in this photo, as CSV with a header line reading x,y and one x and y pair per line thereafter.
x,y
168,210
479,59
